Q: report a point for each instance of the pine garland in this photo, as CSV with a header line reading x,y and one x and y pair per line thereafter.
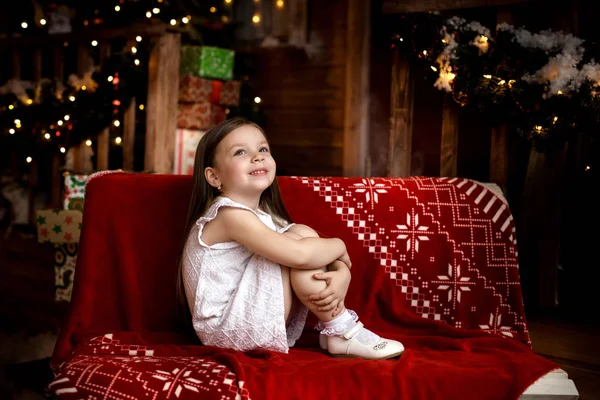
x,y
546,83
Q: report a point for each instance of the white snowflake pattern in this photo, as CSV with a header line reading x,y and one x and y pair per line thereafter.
x,y
177,380
371,189
412,231
495,325
454,283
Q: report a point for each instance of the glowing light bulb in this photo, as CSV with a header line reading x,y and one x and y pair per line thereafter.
x,y
256,19
116,123
257,100
88,143
24,25
11,131
47,136
118,140
63,150
94,43
29,159
138,39
117,8
42,21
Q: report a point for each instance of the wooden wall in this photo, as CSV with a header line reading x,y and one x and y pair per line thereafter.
x,y
303,95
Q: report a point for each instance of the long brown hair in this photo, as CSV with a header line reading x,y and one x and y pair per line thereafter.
x,y
203,194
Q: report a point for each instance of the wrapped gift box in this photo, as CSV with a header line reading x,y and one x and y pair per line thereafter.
x,y
74,191
207,62
230,93
185,150
59,226
203,115
64,270
193,89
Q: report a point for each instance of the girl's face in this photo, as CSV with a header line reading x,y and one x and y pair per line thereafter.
x,y
243,163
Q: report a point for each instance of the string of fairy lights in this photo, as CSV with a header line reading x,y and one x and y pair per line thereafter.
x,y
57,131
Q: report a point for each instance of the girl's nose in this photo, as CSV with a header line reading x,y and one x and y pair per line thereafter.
x,y
258,157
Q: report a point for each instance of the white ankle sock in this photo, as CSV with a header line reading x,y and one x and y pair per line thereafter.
x,y
340,325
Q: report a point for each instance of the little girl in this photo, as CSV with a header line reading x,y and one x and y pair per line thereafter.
x,y
248,274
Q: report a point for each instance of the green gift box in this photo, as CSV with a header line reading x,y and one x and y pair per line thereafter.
x,y
207,62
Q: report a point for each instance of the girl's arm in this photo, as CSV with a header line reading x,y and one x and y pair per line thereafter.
x,y
247,229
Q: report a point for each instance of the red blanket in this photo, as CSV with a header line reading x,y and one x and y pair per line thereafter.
x,y
435,266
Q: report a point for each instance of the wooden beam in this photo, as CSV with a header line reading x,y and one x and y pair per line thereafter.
x,y
298,17
401,124
16,63
357,88
499,150
410,6
129,135
449,147
87,36
103,148
161,114
59,63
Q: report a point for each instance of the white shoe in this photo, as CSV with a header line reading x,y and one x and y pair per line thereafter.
x,y
348,345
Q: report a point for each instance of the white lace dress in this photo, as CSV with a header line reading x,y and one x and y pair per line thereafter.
x,y
236,296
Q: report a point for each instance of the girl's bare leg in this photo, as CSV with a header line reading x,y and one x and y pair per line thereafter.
x,y
300,282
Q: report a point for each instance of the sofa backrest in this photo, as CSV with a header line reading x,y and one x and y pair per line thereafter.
x,y
422,248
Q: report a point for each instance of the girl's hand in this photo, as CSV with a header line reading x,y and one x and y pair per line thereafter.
x,y
332,297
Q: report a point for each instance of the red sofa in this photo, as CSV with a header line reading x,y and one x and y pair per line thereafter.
x,y
434,266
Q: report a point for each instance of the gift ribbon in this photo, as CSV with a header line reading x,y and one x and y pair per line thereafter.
x,y
215,98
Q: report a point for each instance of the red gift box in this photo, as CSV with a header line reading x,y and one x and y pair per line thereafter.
x,y
193,89
203,115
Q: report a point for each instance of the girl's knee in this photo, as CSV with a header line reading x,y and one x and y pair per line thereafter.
x,y
303,231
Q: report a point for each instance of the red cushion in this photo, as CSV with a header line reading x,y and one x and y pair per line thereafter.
x,y
435,265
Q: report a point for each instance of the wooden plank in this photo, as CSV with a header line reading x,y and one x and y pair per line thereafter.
x,y
298,22
103,147
161,114
34,165
357,87
449,146
306,137
499,139
16,63
499,156
37,65
410,6
305,119
82,67
59,64
401,124
303,98
319,77
129,135
57,183
312,158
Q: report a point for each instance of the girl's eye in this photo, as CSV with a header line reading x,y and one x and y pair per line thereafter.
x,y
239,152
264,149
